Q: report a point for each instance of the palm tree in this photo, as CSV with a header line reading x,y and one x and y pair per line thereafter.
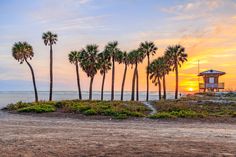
x,y
148,48
89,63
125,61
176,56
74,58
135,57
50,39
156,73
22,51
165,69
112,49
104,66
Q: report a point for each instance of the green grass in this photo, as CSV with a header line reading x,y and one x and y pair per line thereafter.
x,y
177,114
115,109
37,108
161,115
184,108
188,107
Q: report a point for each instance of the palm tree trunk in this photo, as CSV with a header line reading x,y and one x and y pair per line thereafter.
x,y
33,78
137,91
133,85
176,81
123,83
103,81
159,86
147,95
113,78
164,86
78,80
91,88
51,73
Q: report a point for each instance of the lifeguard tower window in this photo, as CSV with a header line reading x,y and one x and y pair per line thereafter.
x,y
211,80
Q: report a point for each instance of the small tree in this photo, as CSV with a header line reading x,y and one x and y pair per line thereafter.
x,y
74,58
22,51
89,64
176,56
104,66
50,39
148,48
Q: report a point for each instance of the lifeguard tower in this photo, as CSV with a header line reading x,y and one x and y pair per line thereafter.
x,y
211,81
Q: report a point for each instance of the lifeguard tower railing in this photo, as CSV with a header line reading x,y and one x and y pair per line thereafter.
x,y
212,85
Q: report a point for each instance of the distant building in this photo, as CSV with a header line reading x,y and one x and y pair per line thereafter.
x,y
211,80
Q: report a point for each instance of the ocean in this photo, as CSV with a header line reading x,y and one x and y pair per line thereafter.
x,y
13,97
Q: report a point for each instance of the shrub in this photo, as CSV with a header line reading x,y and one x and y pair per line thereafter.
x,y
184,114
120,116
234,114
37,108
18,105
90,112
161,115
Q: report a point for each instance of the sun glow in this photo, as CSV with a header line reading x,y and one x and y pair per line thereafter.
x,y
190,89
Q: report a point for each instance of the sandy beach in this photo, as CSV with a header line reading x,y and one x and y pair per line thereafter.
x,y
25,135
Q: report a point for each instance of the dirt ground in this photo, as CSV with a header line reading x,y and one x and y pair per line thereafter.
x,y
26,136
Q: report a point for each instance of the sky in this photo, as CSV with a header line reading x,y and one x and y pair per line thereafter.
x,y
206,28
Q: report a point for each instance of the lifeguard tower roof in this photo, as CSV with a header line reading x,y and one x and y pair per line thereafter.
x,y
211,72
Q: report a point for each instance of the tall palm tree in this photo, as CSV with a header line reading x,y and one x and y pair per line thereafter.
x,y
125,61
112,49
148,48
74,58
165,69
89,64
22,51
135,57
104,66
156,73
50,39
176,56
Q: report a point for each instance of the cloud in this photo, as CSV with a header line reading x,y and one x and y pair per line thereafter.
x,y
193,10
68,15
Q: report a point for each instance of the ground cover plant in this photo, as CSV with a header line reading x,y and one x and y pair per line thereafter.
x,y
193,107
116,109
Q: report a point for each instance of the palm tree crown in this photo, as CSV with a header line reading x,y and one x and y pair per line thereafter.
x,y
49,38
89,62
21,51
155,70
176,55
74,57
148,48
135,56
104,62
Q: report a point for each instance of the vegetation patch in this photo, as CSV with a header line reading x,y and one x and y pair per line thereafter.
x,y
185,108
177,114
115,109
161,115
38,108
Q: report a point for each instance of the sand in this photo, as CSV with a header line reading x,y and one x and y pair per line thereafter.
x,y
26,136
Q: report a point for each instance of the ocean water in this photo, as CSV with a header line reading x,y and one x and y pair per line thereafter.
x,y
13,97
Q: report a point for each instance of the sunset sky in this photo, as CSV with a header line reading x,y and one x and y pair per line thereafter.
x,y
206,28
